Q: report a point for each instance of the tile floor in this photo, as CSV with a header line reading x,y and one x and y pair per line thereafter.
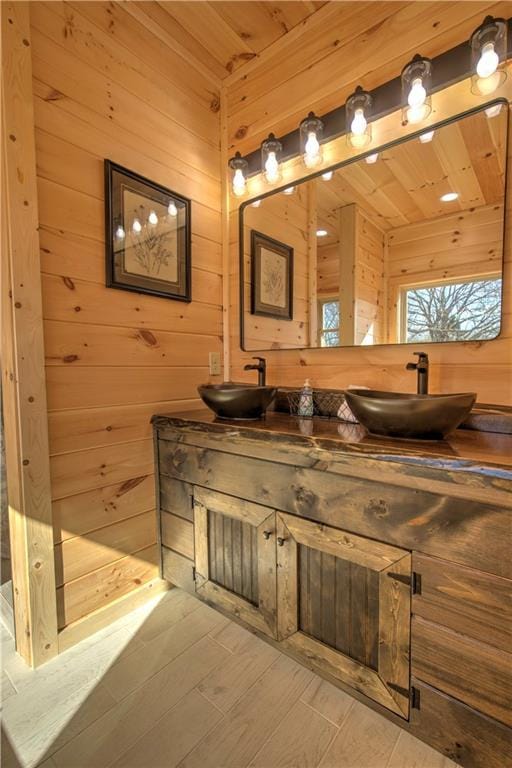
x,y
176,684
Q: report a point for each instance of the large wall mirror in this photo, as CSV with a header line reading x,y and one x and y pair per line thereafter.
x,y
403,246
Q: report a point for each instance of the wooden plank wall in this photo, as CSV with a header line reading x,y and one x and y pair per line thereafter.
x,y
342,45
328,269
283,218
471,242
106,87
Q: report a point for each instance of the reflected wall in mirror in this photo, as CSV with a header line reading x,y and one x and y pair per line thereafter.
x,y
403,246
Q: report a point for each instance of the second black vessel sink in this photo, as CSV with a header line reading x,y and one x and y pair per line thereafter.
x,y
396,414
237,401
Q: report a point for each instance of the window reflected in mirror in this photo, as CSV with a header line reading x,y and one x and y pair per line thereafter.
x,y
403,246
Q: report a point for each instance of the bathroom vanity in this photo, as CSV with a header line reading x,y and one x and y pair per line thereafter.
x,y
383,565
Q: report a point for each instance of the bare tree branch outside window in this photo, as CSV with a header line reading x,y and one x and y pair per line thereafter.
x,y
330,323
454,311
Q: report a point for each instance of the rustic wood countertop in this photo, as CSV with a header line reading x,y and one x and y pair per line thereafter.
x,y
483,453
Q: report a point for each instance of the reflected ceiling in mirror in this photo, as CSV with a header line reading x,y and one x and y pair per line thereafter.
x,y
402,246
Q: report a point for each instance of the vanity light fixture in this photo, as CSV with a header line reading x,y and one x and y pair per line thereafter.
x,y
372,159
171,209
426,137
136,226
239,167
321,232
120,233
153,218
449,197
270,152
493,111
488,51
310,130
416,87
357,108
289,191
412,92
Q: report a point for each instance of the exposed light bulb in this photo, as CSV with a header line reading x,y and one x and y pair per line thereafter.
x,y
371,159
488,62
238,183
312,154
358,137
153,218
449,197
418,110
120,233
171,209
321,232
271,168
289,191
327,176
256,204
494,110
359,123
136,226
417,94
426,137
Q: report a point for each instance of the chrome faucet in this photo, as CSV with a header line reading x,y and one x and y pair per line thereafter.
x,y
261,367
422,368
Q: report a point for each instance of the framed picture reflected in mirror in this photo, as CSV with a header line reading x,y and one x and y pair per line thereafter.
x,y
271,277
148,244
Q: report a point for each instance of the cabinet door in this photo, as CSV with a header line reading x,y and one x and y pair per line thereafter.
x,y
236,557
344,603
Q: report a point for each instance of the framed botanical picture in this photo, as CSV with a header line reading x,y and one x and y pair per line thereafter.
x,y
271,277
147,236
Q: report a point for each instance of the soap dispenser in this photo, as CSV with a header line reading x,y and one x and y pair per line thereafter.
x,y
306,407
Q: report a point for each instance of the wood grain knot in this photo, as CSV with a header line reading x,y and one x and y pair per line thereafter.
x,y
70,358
129,485
377,508
241,132
68,283
54,95
147,337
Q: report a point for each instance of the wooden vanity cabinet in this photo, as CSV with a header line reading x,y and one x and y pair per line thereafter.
x,y
391,581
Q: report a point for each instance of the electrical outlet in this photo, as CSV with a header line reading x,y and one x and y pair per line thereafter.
x,y
214,363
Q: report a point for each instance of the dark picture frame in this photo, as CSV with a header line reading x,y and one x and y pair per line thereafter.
x,y
271,277
147,236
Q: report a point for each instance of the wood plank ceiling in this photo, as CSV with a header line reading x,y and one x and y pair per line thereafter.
x,y
407,181
223,36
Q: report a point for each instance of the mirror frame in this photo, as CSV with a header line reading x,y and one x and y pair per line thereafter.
x,y
343,164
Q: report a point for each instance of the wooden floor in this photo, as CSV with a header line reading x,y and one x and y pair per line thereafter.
x,y
176,684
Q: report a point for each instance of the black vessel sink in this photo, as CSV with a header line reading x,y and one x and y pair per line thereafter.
x,y
427,417
237,401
